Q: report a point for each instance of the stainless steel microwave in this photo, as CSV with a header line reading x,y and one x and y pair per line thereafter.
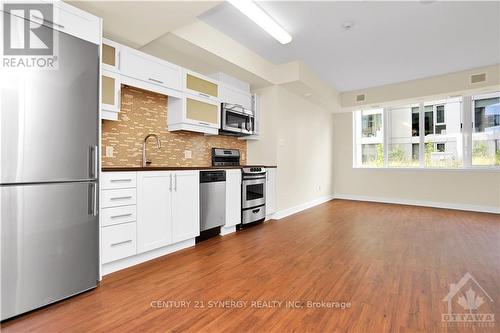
x,y
236,120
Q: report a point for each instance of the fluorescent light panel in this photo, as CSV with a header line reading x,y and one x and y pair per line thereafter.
x,y
256,14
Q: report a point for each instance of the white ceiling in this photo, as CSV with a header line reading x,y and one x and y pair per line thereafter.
x,y
390,41
137,23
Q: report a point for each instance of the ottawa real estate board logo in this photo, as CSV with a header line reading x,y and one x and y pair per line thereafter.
x,y
468,305
28,37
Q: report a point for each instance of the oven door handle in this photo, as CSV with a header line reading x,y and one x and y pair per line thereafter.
x,y
261,180
254,177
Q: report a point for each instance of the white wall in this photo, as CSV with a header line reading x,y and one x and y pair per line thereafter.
x,y
460,189
297,136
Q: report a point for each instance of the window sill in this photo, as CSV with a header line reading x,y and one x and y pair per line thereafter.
x,y
491,169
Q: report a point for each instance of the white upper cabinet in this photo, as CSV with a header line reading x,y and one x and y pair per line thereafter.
x,y
185,205
200,85
149,69
233,95
233,197
111,57
193,113
70,20
154,209
110,95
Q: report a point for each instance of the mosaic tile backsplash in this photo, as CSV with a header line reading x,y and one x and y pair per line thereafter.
x,y
144,112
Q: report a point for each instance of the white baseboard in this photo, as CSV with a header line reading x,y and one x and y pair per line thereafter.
x,y
146,256
227,230
296,209
434,204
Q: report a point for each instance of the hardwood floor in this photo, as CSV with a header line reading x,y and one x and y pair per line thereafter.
x,y
393,263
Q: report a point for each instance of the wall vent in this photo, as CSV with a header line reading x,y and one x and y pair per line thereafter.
x,y
360,98
477,78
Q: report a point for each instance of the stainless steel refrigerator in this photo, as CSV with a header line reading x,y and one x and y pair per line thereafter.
x,y
49,169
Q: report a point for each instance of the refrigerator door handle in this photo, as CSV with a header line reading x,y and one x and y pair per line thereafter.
x,y
92,200
96,161
93,162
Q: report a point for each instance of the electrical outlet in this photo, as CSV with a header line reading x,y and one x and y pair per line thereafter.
x,y
188,154
109,151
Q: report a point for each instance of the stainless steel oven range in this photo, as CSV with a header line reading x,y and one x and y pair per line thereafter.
x,y
253,195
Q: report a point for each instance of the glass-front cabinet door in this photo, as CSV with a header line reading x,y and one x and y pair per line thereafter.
x,y
202,112
110,95
200,85
110,56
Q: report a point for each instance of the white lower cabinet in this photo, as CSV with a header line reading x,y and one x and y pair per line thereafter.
x,y
154,207
167,208
185,205
118,241
233,197
270,191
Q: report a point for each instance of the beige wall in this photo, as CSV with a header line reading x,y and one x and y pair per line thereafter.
x,y
455,188
437,86
297,136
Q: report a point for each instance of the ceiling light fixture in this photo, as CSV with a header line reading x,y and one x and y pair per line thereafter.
x,y
262,19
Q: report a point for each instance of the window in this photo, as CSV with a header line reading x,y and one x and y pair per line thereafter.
x,y
402,122
441,147
443,139
436,134
429,119
486,130
372,125
440,114
369,138
415,121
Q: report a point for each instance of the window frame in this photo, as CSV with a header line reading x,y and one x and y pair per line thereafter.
x,y
466,130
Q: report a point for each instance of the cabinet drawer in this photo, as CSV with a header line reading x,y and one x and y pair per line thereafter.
x,y
118,241
119,197
117,215
112,180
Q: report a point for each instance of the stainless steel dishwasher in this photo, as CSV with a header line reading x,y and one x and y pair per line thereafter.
x,y
212,199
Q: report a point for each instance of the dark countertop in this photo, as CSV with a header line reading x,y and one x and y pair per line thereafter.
x,y
155,168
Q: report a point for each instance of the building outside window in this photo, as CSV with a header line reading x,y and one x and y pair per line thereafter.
x,y
443,135
369,138
402,136
486,130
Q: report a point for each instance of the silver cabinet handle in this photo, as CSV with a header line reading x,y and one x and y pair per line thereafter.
x,y
44,20
175,182
202,123
121,215
204,95
119,60
170,187
121,243
121,180
121,198
156,81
